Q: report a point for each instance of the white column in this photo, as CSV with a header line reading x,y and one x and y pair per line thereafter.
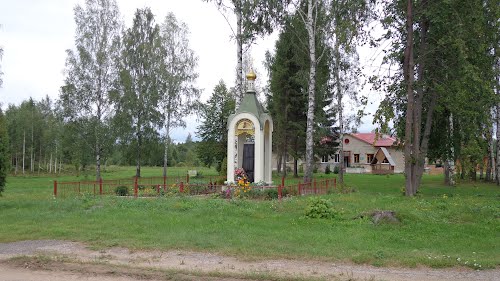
x,y
259,154
230,154
269,159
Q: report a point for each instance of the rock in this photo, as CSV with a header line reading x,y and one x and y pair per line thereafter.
x,y
379,217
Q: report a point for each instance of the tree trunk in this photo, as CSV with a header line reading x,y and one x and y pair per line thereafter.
x,y
50,164
24,148
295,167
98,144
311,32
239,54
409,78
451,156
167,143
489,164
446,173
32,163
279,162
497,170
138,159
341,112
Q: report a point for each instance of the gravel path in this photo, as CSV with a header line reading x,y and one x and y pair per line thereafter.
x,y
206,262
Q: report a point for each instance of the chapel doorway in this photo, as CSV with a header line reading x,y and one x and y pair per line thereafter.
x,y
249,160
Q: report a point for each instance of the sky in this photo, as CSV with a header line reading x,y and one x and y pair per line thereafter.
x,y
35,35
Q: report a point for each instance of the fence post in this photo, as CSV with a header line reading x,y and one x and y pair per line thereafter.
x,y
55,188
334,183
100,186
79,187
187,177
135,187
315,189
164,183
300,188
181,187
327,187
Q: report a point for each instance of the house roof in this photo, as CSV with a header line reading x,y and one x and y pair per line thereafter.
x,y
386,154
373,139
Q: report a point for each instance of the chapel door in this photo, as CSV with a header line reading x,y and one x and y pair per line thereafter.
x,y
249,160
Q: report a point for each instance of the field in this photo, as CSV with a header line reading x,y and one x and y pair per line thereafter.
x,y
441,227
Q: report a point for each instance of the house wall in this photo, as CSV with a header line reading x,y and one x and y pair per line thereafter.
x,y
362,148
398,157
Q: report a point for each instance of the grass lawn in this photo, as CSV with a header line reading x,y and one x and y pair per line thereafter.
x,y
440,227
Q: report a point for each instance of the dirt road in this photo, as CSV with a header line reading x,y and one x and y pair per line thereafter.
x,y
63,260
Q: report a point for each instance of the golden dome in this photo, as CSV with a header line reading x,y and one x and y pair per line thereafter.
x,y
251,75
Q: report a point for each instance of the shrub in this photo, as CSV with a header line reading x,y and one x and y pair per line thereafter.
x,y
344,188
315,169
301,169
327,169
121,190
223,167
336,170
319,208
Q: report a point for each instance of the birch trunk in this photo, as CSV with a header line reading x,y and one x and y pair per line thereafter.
x,y
409,77
167,142
451,157
497,170
311,32
341,112
239,55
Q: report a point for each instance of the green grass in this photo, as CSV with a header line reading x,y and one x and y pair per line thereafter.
x,y
440,227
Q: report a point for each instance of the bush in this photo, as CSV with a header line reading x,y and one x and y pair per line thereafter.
x,y
121,190
327,169
319,208
336,170
223,167
301,169
315,169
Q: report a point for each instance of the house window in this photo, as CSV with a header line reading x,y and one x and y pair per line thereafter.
x,y
356,158
324,159
385,161
369,158
337,158
346,141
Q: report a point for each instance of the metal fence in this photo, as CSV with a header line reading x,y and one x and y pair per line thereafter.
x,y
159,186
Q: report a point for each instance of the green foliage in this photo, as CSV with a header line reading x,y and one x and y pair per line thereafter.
x,y
91,75
121,190
327,169
336,169
213,130
223,167
320,208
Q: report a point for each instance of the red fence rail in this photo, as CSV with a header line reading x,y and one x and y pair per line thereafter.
x,y
156,186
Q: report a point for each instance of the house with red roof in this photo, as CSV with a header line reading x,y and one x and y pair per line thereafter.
x,y
367,153
363,153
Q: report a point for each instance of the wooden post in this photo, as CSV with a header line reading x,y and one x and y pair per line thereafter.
x,y
136,188
300,188
187,177
100,186
55,188
164,183
315,189
334,183
181,187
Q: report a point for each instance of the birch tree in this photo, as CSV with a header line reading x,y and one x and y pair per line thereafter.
x,y
253,18
139,116
177,74
91,70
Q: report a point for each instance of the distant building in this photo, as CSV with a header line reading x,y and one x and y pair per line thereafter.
x,y
364,153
